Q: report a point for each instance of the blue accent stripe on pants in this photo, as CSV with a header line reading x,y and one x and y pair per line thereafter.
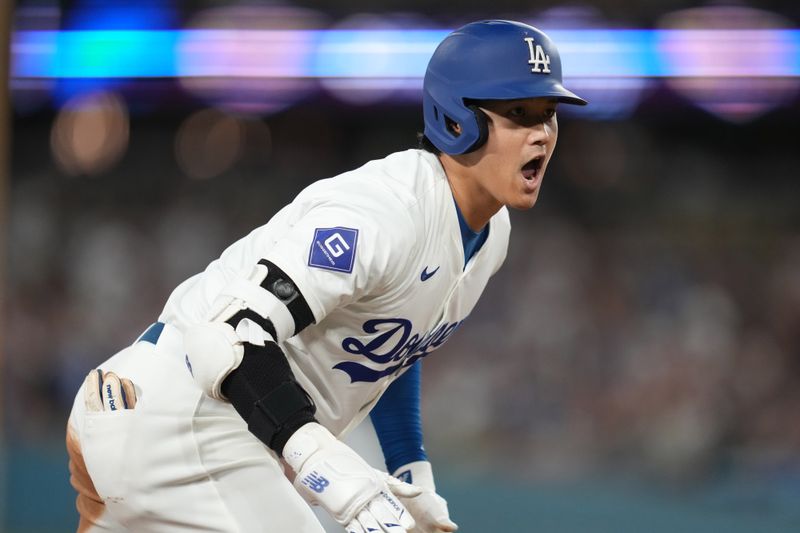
x,y
153,333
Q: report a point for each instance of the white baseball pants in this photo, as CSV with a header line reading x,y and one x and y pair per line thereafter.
x,y
179,461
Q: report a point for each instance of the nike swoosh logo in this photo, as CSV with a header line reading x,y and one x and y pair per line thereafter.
x,y
426,275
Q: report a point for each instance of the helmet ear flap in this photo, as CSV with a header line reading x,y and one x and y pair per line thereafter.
x,y
482,121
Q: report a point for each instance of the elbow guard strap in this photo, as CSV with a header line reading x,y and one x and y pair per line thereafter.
x,y
264,392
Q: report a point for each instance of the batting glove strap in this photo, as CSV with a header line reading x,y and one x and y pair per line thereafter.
x,y
333,476
418,473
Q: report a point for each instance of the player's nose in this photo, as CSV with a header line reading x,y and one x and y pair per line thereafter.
x,y
539,133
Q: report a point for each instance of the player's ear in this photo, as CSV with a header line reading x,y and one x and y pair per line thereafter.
x,y
453,126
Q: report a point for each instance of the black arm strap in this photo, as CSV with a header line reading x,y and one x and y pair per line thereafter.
x,y
281,285
264,392
283,288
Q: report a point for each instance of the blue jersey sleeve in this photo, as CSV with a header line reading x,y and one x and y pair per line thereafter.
x,y
397,420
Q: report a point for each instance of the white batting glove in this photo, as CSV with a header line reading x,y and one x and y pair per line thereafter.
x,y
428,508
330,474
105,391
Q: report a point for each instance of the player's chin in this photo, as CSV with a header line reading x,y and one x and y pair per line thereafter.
x,y
524,200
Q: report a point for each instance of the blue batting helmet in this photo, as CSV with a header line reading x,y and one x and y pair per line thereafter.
x,y
486,60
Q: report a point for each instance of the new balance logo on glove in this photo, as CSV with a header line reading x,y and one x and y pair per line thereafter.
x,y
316,482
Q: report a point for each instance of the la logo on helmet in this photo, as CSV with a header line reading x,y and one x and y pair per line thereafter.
x,y
538,58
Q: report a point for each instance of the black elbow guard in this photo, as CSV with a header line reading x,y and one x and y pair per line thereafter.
x,y
264,391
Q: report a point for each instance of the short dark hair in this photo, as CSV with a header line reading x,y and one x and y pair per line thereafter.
x,y
423,143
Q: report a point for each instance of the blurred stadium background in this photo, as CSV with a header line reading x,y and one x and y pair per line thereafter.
x,y
634,367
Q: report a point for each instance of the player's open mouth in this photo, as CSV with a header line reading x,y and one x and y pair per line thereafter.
x,y
530,170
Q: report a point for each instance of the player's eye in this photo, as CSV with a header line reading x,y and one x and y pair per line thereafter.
x,y
550,113
517,112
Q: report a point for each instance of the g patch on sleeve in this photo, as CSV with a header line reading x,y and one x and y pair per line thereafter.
x,y
333,249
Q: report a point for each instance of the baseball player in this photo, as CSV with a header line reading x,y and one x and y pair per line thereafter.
x,y
226,414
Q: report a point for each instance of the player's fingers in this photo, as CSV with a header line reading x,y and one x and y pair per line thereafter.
x,y
445,526
441,517
390,513
448,526
128,393
91,391
112,392
354,527
368,522
401,488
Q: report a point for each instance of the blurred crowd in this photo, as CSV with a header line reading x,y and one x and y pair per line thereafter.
x,y
647,319
629,350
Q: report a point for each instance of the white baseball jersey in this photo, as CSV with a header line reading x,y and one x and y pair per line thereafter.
x,y
377,253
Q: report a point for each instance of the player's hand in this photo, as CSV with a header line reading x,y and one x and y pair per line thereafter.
x,y
428,508
105,391
332,475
